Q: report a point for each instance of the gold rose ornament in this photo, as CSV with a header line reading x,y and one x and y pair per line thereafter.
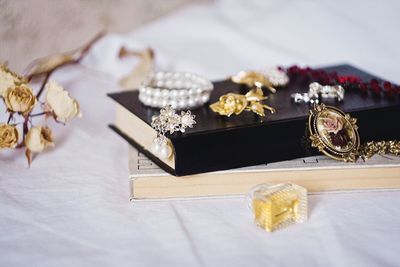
x,y
233,103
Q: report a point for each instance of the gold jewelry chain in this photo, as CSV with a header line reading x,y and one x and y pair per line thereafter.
x,y
369,149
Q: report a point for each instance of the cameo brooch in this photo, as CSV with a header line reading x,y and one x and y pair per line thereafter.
x,y
334,133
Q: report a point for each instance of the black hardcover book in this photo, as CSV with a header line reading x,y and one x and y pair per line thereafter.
x,y
220,143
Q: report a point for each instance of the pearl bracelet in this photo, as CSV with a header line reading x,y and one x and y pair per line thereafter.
x,y
180,90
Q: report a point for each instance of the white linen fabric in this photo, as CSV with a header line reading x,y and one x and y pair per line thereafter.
x,y
71,207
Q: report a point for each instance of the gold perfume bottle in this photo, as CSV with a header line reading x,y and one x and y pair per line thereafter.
x,y
278,206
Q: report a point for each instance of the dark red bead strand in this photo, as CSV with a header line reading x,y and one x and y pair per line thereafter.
x,y
349,82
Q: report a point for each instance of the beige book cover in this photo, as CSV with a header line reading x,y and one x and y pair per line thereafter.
x,y
317,174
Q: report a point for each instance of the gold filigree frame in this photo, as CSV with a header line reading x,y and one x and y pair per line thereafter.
x,y
334,133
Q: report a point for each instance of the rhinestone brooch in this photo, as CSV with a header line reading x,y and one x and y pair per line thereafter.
x,y
317,91
169,122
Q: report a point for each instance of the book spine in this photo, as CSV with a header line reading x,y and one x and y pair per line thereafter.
x,y
240,147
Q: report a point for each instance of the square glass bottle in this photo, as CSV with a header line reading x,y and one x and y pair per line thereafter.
x,y
278,206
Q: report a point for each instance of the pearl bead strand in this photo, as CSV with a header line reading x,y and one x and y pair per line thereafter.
x,y
180,90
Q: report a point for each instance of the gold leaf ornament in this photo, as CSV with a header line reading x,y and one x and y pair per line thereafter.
x,y
233,103
253,79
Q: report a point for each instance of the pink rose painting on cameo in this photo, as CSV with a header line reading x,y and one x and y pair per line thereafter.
x,y
334,126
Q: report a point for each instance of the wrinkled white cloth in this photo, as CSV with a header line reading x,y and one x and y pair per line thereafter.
x,y
71,207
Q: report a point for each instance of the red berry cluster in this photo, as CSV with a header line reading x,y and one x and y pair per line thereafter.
x,y
349,82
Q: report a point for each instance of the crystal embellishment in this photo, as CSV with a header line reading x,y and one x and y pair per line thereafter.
x,y
168,121
278,206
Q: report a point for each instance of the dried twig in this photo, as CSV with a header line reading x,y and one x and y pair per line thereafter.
x,y
47,65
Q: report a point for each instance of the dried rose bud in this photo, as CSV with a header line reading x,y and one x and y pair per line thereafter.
x,y
38,138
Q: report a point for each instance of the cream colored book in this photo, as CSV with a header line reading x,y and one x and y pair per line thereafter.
x,y
317,174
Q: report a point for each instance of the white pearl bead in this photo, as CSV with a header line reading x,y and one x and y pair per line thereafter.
x,y
197,99
173,104
160,84
178,84
146,100
180,89
204,98
165,152
159,75
154,102
147,91
168,84
174,93
182,93
182,104
155,148
165,93
192,92
157,92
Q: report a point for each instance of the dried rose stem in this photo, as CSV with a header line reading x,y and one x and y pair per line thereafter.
x,y
46,78
89,45
10,117
24,131
83,53
38,114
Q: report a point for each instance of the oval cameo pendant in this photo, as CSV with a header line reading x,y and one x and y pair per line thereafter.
x,y
334,133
